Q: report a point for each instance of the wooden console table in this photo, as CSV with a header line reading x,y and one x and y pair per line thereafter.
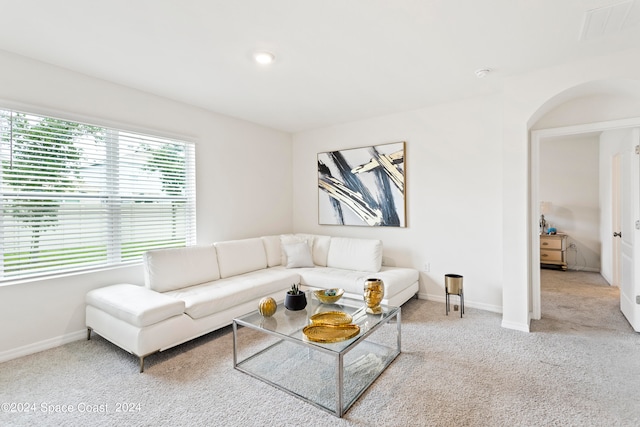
x,y
553,250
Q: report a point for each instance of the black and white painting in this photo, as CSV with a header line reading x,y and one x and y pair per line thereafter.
x,y
362,186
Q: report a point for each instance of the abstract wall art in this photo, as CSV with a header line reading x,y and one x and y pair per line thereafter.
x,y
362,186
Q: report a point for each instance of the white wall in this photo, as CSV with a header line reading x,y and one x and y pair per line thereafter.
x,y
528,97
620,103
453,193
244,186
453,207
569,179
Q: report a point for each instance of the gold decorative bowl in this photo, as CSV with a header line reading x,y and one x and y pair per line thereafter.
x,y
330,333
331,318
329,296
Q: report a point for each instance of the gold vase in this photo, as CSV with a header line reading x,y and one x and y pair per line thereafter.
x,y
373,294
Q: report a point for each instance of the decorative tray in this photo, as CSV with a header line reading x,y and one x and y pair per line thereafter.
x,y
330,333
331,318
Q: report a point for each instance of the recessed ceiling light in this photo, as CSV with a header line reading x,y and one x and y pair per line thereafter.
x,y
264,57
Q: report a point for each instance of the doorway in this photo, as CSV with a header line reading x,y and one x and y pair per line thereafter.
x,y
537,137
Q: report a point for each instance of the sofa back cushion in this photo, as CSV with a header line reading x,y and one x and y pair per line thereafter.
x,y
272,248
177,268
241,256
355,254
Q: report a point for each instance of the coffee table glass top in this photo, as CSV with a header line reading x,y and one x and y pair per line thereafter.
x,y
290,323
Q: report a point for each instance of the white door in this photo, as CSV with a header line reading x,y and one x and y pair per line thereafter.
x,y
629,214
616,220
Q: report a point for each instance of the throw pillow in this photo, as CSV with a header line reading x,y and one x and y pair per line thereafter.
x,y
287,239
298,255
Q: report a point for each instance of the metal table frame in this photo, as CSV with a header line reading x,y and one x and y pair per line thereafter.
x,y
340,406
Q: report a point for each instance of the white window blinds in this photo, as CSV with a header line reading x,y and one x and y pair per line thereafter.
x,y
76,196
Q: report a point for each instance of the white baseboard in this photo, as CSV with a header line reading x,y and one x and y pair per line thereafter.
x,y
37,347
523,327
589,269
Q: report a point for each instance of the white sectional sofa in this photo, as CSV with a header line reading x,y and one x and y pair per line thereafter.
x,y
192,291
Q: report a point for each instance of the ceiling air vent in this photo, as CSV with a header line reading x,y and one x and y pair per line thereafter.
x,y
608,20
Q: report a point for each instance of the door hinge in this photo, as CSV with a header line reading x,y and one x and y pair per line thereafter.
x,y
637,225
637,149
637,299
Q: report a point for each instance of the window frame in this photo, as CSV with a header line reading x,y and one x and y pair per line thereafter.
x,y
115,243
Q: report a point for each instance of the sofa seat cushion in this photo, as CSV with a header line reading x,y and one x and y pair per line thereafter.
x,y
395,279
214,297
135,305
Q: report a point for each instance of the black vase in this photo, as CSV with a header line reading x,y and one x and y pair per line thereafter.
x,y
295,302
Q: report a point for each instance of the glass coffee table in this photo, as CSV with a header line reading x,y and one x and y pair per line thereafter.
x,y
330,376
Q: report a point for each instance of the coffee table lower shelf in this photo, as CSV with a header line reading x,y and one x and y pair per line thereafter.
x,y
328,379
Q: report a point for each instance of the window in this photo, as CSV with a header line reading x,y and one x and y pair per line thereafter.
x,y
74,196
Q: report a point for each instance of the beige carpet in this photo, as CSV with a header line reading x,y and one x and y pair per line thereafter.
x,y
580,366
577,300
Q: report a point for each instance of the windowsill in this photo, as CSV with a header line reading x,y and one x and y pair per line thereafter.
x,y
56,276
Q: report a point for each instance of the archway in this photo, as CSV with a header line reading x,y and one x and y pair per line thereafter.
x,y
592,107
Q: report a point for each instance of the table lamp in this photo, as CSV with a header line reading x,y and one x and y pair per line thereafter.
x,y
545,207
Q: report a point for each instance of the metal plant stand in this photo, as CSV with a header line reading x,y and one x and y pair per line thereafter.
x,y
453,286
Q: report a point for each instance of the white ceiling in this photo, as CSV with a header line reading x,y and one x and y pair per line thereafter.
x,y
337,60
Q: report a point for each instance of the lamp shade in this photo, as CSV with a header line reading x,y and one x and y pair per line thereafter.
x,y
545,207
